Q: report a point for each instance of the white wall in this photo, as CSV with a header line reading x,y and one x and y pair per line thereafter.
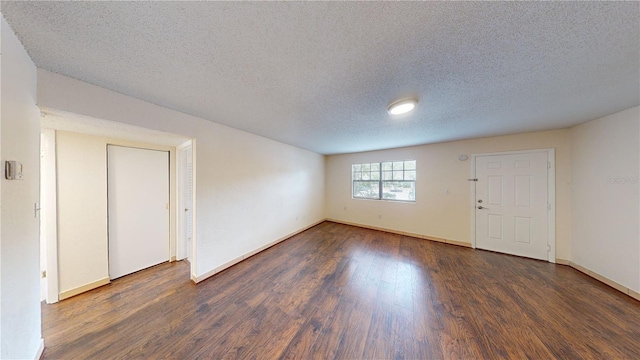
x,y
20,122
436,213
82,207
605,170
250,190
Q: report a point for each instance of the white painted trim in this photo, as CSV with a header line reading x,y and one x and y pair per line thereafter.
x,y
208,274
173,220
178,200
228,264
184,145
194,188
178,208
515,152
84,288
50,212
404,233
603,279
551,196
472,184
40,350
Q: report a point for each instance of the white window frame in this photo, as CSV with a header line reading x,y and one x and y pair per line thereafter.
x,y
381,181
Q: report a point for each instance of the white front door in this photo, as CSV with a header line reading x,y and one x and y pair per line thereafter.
x,y
138,198
511,204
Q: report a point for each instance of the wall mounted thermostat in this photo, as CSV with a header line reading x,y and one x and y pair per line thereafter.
x,y
13,170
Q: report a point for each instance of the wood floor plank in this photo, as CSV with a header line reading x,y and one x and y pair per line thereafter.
x,y
337,291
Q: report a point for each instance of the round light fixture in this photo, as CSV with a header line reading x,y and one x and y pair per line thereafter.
x,y
402,106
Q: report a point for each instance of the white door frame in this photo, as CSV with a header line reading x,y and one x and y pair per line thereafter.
x,y
48,211
180,187
179,212
551,196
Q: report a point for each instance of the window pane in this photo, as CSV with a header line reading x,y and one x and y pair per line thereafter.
x,y
397,179
366,189
410,165
399,190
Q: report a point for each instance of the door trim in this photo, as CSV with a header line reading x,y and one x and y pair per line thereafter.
x,y
49,211
551,196
180,242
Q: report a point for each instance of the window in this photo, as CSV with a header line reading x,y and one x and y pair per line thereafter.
x,y
390,180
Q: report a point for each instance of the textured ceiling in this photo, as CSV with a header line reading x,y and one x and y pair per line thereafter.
x,y
319,75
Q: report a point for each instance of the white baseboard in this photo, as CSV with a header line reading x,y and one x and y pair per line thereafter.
x,y
40,350
603,279
228,264
405,233
84,288
630,292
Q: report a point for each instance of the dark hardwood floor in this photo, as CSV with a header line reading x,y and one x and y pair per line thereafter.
x,y
341,292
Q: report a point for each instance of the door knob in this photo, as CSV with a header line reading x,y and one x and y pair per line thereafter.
x,y
480,201
480,207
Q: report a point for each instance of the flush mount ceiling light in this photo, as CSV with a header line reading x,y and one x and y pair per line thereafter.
x,y
402,106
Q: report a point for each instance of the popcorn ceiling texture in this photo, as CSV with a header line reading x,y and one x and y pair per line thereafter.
x,y
319,75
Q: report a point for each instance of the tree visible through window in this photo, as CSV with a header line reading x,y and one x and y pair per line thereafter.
x,y
389,180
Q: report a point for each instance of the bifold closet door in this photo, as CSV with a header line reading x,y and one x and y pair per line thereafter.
x,y
138,200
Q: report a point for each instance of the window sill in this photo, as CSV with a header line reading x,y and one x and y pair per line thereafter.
x,y
386,200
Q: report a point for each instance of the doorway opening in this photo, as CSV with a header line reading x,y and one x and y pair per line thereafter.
x,y
74,186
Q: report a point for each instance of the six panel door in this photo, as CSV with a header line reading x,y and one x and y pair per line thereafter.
x,y
511,204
